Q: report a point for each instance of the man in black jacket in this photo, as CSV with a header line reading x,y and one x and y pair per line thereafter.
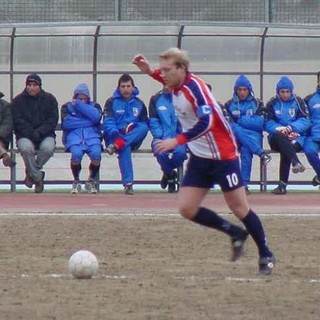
x,y
35,115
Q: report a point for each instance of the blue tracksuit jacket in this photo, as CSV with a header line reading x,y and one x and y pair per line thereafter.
x,y
164,124
246,120
81,123
283,113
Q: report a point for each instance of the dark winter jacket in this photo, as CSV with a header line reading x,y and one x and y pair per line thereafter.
x,y
5,121
35,118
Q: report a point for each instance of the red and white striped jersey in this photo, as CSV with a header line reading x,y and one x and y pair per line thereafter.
x,y
212,139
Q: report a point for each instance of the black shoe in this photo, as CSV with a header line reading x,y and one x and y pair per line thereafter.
x,y
315,181
280,189
266,265
172,181
164,181
266,158
28,181
39,185
237,244
298,167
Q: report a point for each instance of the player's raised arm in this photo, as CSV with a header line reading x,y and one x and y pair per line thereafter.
x,y
143,64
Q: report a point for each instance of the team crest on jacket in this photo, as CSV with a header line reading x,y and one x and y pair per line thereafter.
x,y
135,111
292,112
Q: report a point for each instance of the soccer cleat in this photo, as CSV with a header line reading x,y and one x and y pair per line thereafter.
x,y
39,185
128,189
91,186
76,187
237,244
280,189
266,265
298,167
266,158
111,149
315,181
164,181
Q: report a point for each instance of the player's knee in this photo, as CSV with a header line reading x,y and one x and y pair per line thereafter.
x,y
187,212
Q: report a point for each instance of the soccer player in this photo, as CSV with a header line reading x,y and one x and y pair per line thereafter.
x,y
214,155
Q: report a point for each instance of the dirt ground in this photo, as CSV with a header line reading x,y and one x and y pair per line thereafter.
x,y
153,264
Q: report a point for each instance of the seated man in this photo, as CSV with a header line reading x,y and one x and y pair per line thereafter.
x,y
287,124
5,132
35,116
80,121
312,143
125,126
163,124
245,114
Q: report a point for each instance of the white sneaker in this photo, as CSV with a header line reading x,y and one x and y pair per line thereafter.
x,y
76,187
91,186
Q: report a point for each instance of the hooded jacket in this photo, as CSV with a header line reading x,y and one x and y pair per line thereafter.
x,y
119,112
80,121
292,113
313,103
163,122
245,116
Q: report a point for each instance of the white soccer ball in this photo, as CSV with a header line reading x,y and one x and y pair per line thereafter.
x,y
83,264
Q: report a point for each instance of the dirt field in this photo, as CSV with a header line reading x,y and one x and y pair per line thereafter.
x,y
153,264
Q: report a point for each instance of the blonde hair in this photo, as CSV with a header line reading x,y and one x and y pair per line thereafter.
x,y
180,57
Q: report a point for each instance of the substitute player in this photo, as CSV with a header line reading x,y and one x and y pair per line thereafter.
x,y
214,155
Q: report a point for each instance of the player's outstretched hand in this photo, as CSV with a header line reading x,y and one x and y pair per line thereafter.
x,y
162,146
142,63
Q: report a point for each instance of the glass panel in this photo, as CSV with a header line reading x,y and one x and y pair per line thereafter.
x,y
303,85
5,54
54,53
293,32
54,30
116,53
223,53
219,30
134,29
5,31
288,54
5,86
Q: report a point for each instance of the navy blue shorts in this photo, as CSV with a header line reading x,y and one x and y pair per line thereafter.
x,y
205,173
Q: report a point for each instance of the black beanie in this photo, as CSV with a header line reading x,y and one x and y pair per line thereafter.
x,y
33,77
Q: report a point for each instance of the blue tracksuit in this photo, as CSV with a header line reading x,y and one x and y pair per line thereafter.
x,y
164,124
81,127
284,113
118,113
312,143
246,120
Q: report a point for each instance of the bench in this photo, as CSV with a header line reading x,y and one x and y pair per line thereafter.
x,y
14,182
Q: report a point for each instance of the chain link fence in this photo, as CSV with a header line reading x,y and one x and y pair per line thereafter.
x,y
277,11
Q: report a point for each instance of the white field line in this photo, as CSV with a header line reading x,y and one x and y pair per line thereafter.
x,y
138,214
182,278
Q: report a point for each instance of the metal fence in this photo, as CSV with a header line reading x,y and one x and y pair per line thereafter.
x,y
274,11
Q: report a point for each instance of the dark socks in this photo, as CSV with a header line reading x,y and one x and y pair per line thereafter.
x,y
76,168
94,171
255,229
209,218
